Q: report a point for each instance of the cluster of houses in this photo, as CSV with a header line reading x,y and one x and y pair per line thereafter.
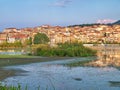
x,y
58,34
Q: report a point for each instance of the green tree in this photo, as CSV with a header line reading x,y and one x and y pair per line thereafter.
x,y
40,38
17,44
29,41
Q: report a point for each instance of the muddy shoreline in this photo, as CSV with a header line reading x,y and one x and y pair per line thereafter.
x,y
21,61
6,73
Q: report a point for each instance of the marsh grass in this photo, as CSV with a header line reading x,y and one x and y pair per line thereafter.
x,y
64,50
4,87
18,87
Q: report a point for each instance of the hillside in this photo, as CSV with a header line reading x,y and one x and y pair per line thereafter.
x,y
117,22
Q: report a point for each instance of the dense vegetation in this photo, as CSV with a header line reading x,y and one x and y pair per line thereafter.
x,y
4,87
66,49
11,45
40,38
28,42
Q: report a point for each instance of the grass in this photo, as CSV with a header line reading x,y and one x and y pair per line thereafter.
x,y
64,50
4,87
18,87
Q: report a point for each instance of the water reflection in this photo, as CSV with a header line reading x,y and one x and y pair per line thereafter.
x,y
107,56
18,51
51,76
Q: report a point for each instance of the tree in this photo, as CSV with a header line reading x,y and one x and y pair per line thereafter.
x,y
17,44
40,38
29,41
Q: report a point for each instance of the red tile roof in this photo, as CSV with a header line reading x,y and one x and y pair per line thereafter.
x,y
20,36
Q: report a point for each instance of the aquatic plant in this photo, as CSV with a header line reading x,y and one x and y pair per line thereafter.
x,y
64,50
18,87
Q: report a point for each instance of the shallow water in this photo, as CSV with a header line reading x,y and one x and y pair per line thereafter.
x,y
55,75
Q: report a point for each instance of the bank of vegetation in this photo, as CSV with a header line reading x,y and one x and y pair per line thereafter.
x,y
4,87
6,45
64,50
18,87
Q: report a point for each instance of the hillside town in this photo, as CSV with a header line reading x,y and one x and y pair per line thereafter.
x,y
86,34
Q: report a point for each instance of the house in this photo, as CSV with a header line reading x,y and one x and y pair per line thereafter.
x,y
2,40
3,37
7,30
19,37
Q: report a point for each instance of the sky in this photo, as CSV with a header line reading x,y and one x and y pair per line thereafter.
x,y
31,13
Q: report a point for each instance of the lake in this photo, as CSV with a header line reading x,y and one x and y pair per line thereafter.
x,y
15,51
102,73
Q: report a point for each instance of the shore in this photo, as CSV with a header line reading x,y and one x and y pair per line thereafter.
x,y
20,61
6,73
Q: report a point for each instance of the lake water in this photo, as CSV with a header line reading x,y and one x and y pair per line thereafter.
x,y
15,51
56,75
11,52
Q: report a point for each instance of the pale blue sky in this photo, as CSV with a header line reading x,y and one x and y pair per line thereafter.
x,y
30,13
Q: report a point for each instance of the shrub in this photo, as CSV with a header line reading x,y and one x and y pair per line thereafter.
x,y
66,49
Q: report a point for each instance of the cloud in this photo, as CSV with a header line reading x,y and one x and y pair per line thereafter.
x,y
105,21
62,3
